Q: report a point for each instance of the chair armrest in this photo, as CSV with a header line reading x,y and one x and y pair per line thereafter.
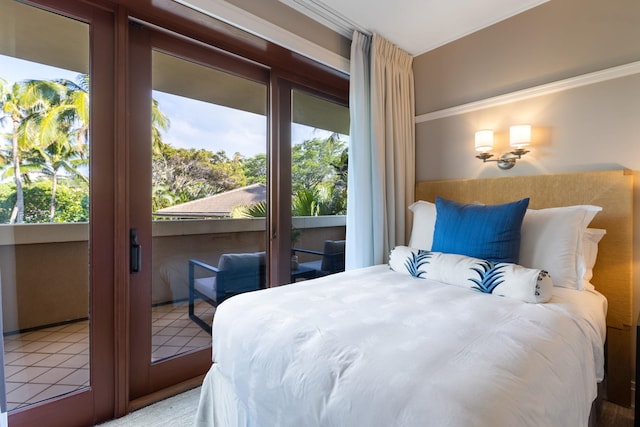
x,y
307,251
195,263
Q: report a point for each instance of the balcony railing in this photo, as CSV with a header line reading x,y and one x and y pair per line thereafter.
x,y
44,273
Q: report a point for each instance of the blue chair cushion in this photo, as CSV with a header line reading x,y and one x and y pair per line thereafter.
x,y
238,273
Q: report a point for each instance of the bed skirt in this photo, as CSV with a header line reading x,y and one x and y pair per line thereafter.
x,y
220,407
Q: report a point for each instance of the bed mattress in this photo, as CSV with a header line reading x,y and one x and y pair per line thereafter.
x,y
373,347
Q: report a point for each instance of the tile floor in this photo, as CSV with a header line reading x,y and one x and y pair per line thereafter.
x,y
54,361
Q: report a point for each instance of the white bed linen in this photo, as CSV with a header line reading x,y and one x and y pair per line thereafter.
x,y
372,347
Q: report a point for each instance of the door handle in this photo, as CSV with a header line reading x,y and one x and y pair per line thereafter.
x,y
135,252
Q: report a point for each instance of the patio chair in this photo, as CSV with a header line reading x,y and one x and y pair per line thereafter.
x,y
331,261
235,274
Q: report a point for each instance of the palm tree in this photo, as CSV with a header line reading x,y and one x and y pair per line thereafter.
x,y
56,157
61,131
159,121
311,202
19,103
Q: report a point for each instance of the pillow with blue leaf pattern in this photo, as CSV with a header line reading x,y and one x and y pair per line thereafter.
x,y
497,278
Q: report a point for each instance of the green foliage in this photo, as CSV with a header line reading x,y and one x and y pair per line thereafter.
x,y
50,123
255,169
312,162
7,201
257,210
47,148
72,204
181,175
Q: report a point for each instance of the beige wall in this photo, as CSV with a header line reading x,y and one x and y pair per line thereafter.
x,y
554,41
590,127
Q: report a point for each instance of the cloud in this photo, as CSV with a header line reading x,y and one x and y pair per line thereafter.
x,y
196,124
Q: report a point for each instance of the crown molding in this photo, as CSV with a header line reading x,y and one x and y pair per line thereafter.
x,y
241,19
327,16
545,89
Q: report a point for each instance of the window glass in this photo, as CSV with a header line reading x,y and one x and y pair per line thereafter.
x,y
209,198
44,203
319,157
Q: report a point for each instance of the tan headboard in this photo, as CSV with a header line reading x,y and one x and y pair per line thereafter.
x,y
612,190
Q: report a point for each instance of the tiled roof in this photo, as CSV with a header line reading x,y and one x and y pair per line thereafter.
x,y
219,204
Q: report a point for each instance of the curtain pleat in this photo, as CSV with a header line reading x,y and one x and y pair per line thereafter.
x,y
381,151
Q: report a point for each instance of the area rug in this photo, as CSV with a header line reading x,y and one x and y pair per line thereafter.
x,y
176,411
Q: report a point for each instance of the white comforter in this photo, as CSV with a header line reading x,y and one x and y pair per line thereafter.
x,y
372,347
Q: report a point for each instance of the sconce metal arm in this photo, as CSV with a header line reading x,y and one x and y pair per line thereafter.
x,y
507,160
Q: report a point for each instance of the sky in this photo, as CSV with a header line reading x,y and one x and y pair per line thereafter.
x,y
194,124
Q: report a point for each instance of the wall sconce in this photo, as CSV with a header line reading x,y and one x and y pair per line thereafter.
x,y
519,137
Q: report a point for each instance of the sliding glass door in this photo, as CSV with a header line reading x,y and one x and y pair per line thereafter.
x,y
56,236
319,157
199,203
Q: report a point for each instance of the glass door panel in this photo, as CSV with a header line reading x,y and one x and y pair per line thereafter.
x,y
319,156
208,198
44,203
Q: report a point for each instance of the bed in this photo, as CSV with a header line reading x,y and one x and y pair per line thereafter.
x,y
380,346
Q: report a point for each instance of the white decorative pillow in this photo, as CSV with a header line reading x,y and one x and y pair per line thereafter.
x,y
504,279
552,240
424,221
590,240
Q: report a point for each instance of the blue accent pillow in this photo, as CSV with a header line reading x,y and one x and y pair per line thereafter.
x,y
490,232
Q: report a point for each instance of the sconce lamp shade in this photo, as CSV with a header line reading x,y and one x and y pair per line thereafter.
x,y
520,135
484,140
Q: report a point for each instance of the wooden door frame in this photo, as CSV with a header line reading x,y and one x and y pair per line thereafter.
x,y
95,403
145,377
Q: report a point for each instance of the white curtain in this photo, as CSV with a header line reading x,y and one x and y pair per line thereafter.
x,y
381,178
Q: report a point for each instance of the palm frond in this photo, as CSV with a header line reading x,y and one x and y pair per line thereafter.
x,y
417,260
257,210
490,275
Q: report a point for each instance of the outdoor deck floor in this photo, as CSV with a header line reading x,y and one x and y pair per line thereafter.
x,y
54,361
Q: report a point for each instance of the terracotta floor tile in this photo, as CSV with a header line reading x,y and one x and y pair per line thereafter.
x,y
26,359
75,327
52,391
162,322
170,331
77,361
55,347
25,393
53,375
27,374
35,335
10,370
158,340
200,341
74,337
77,348
53,361
80,377
178,341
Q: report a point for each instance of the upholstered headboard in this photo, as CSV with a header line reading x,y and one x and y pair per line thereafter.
x,y
612,276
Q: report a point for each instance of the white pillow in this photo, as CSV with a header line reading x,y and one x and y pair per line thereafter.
x,y
552,240
503,279
424,221
590,240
